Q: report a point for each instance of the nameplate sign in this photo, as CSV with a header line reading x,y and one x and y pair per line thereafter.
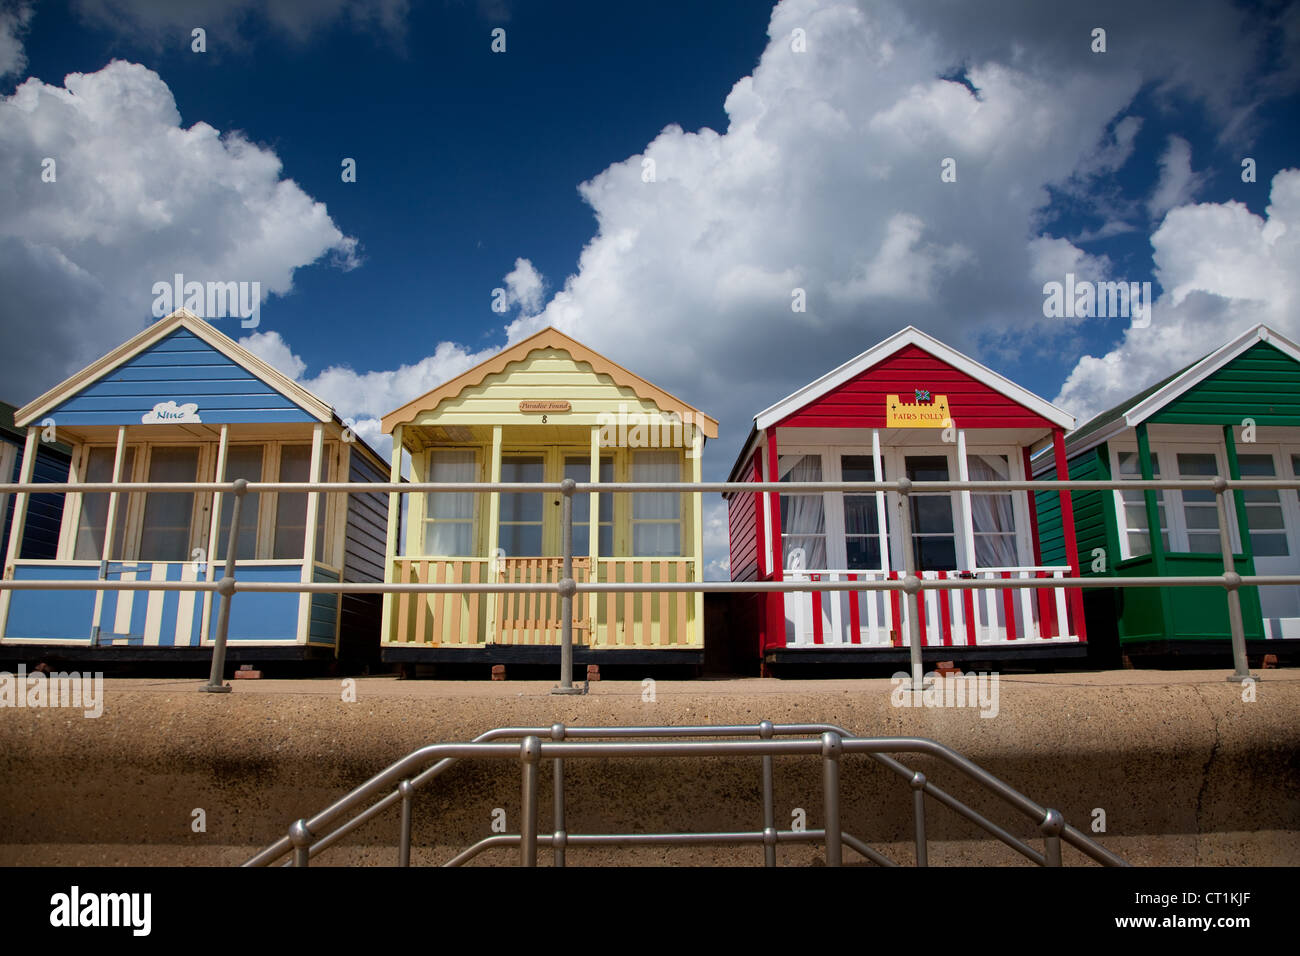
x,y
170,413
933,414
544,406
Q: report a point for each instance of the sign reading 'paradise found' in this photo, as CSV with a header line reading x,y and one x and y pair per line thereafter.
x,y
932,415
544,406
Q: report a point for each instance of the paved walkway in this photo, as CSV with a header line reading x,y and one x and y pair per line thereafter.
x,y
391,686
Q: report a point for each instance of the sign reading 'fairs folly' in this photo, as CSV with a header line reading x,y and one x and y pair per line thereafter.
x,y
924,413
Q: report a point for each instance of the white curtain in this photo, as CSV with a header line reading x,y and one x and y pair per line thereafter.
x,y
993,515
803,517
656,518
449,526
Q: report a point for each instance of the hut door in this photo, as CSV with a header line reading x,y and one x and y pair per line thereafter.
x,y
1274,520
934,526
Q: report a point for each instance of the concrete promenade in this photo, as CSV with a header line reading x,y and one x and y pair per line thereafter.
x,y
1185,771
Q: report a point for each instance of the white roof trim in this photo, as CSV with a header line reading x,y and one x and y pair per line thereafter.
x,y
1096,438
133,346
1207,367
910,336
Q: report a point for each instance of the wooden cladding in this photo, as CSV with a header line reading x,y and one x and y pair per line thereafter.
x,y
535,617
641,619
645,618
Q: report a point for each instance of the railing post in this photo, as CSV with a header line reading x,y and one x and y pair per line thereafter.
x,y
769,807
529,752
404,842
911,585
1231,582
561,837
1051,827
226,588
832,747
567,589
300,837
918,808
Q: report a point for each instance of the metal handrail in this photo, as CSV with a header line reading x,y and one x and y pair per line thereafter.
x,y
909,582
400,781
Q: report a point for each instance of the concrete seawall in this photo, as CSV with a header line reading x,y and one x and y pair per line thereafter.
x,y
1185,771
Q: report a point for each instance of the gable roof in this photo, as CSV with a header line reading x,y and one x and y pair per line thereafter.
x,y
548,338
913,336
150,336
1146,403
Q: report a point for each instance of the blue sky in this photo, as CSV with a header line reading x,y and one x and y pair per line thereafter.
x,y
795,146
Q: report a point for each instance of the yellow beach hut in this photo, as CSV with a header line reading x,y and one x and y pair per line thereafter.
x,y
545,409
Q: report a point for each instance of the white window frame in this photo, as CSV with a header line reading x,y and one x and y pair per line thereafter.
x,y
1288,498
130,509
1165,455
421,529
892,461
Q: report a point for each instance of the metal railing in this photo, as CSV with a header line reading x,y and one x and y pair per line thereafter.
x,y
310,836
910,583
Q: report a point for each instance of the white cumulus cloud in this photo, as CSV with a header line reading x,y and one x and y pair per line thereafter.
x,y
1223,269
132,198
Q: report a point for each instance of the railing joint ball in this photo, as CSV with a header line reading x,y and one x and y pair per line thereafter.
x,y
300,837
567,587
1231,580
832,745
567,486
918,781
911,583
769,836
904,486
1051,827
765,729
557,731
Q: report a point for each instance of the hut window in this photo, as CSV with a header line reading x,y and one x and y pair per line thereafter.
x,y
861,518
933,530
803,517
449,517
94,507
242,461
1264,509
656,517
291,507
579,469
1200,509
1134,505
993,515
521,514
165,531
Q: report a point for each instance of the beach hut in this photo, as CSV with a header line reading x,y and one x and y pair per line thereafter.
x,y
181,401
542,410
909,407
1234,413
